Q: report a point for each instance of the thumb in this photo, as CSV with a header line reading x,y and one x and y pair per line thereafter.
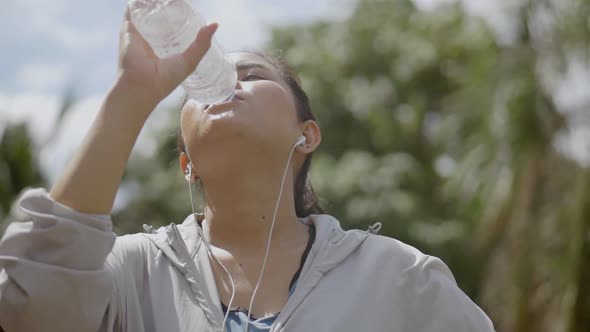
x,y
199,47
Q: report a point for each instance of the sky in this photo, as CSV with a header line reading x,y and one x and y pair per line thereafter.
x,y
48,46
54,45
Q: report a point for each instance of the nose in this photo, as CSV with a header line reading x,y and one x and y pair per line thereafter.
x,y
238,87
231,97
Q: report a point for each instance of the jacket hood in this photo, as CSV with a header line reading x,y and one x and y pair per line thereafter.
x,y
186,250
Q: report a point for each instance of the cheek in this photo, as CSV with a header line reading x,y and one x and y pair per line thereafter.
x,y
273,103
191,125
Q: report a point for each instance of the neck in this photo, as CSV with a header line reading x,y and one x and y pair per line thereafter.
x,y
240,209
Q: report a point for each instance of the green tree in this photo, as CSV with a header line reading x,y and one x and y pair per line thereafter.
x,y
447,136
18,165
434,128
385,84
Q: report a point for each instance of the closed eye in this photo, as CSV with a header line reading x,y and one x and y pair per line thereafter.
x,y
251,77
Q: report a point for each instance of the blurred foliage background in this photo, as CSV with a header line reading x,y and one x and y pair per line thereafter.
x,y
434,126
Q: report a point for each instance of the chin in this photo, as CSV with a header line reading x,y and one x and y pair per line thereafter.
x,y
225,131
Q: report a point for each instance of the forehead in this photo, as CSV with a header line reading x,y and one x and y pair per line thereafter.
x,y
246,58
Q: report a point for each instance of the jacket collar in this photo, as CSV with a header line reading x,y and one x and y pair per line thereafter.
x,y
332,246
181,244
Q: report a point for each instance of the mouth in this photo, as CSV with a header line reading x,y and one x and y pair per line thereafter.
x,y
223,106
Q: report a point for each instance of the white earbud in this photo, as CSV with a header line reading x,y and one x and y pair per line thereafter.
x,y
188,172
301,140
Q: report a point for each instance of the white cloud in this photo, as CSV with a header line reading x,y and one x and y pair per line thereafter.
x,y
238,24
36,109
497,13
73,38
55,156
54,18
76,124
246,24
575,145
41,77
281,12
74,127
571,94
38,10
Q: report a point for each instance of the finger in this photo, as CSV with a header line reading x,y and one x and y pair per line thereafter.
x,y
126,18
130,26
132,36
177,67
127,14
183,64
199,47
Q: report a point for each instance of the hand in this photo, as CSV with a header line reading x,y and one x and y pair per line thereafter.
x,y
141,70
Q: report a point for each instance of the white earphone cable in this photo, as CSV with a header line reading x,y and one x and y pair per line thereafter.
x,y
233,291
272,225
210,251
268,241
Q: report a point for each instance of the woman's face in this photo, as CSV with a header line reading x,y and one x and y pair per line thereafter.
x,y
262,118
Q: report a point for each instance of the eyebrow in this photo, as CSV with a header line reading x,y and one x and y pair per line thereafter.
x,y
250,65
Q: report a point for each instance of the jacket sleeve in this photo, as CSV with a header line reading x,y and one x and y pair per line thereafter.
x,y
53,274
439,304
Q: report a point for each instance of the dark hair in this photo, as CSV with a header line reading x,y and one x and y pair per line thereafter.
x,y
306,201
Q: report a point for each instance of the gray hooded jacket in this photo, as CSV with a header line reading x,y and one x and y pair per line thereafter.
x,y
67,271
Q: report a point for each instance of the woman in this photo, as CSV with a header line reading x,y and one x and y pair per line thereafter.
x,y
66,271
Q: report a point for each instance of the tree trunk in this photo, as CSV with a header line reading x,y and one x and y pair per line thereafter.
x,y
521,240
579,312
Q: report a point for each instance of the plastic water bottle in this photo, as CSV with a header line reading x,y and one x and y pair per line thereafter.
x,y
170,26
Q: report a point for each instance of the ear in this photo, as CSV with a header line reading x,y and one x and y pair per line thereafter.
x,y
184,164
313,136
183,161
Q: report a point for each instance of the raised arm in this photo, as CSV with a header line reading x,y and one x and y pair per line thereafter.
x,y
59,270
91,179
